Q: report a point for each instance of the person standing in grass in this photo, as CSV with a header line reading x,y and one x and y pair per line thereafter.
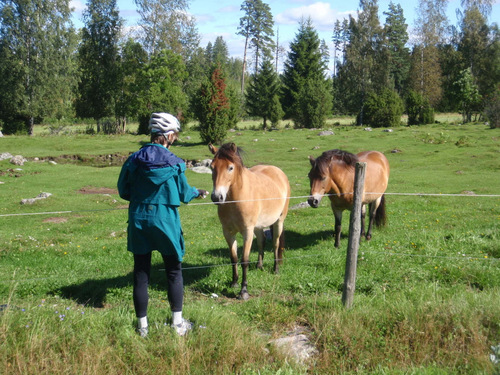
x,y
153,180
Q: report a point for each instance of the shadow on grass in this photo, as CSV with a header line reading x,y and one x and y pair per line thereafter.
x,y
92,292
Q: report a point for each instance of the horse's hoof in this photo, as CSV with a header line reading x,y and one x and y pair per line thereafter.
x,y
244,296
234,285
368,237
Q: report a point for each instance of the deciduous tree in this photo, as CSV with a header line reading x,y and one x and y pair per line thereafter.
x,y
166,24
37,69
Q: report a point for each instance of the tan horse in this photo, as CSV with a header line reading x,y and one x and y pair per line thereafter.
x,y
333,173
249,200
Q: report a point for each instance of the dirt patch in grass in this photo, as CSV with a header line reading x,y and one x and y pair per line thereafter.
x,y
97,190
55,220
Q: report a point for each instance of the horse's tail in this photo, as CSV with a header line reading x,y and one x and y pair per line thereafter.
x,y
380,214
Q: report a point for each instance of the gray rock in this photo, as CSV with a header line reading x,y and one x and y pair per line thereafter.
x,y
202,169
38,197
300,205
387,130
5,155
326,132
296,346
18,160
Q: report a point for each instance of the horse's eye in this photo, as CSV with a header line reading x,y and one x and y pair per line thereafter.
x,y
323,178
230,168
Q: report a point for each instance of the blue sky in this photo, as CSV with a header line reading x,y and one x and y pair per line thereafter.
x,y
221,17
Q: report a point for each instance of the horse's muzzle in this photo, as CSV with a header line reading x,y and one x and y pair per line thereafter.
x,y
217,198
313,202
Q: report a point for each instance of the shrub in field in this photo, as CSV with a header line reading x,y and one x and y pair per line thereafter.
x,y
213,108
383,109
314,104
492,109
418,109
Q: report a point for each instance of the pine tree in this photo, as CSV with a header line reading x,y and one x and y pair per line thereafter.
x,y
262,93
98,57
304,63
256,26
37,71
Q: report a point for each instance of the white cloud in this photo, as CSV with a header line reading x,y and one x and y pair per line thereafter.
x,y
322,15
78,6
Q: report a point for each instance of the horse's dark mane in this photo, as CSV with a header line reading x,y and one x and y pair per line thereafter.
x,y
322,163
229,151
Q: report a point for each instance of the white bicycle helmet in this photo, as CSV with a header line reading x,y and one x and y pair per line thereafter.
x,y
164,123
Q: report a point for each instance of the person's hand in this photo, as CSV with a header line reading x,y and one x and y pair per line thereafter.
x,y
202,193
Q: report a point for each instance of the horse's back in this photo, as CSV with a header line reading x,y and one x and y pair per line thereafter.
x,y
377,172
272,179
271,190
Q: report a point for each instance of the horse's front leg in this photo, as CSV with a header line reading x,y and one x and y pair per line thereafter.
x,y
233,254
247,246
338,226
261,240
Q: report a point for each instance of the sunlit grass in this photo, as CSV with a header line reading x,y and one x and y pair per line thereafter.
x,y
428,284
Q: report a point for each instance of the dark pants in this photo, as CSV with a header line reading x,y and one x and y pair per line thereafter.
x,y
175,283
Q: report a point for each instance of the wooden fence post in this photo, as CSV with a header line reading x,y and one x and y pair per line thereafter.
x,y
354,237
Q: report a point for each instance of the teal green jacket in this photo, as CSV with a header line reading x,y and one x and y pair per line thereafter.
x,y
153,180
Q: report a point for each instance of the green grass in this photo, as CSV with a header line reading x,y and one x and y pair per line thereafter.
x,y
428,285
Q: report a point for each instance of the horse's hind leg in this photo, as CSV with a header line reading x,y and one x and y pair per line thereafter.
x,y
373,211
278,244
338,226
363,218
261,240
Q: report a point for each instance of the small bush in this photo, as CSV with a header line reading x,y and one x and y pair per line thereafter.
x,y
492,110
383,110
418,109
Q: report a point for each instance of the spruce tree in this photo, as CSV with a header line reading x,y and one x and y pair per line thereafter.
x,y
396,38
304,63
98,57
213,108
262,93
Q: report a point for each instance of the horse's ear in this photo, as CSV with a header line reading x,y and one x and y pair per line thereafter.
x,y
212,148
312,160
234,148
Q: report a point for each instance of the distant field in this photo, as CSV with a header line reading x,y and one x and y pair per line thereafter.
x,y
428,288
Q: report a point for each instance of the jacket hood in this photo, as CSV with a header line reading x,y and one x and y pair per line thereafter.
x,y
155,162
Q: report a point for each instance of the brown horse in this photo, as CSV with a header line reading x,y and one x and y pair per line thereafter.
x,y
332,173
249,200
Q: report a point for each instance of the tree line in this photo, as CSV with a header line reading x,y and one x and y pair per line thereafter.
x,y
50,71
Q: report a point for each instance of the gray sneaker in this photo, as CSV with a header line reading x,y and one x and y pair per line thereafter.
x,y
182,328
143,332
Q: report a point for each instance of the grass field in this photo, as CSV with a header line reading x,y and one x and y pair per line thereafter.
x,y
428,286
